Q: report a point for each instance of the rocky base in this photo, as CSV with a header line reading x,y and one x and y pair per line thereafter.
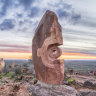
x,y
15,89
28,88
52,90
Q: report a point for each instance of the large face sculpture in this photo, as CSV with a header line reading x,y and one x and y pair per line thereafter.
x,y
45,50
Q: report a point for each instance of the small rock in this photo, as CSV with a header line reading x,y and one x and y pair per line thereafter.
x,y
89,84
88,92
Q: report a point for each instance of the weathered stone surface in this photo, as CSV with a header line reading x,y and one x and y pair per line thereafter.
x,y
55,90
89,84
13,64
2,65
45,51
88,92
13,89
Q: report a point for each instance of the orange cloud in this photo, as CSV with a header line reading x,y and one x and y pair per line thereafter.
x,y
67,55
15,55
25,55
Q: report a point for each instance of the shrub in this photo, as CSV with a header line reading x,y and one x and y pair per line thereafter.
x,y
71,81
35,80
18,71
2,75
11,75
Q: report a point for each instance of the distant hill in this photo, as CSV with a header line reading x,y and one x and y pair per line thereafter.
x,y
16,61
76,65
80,65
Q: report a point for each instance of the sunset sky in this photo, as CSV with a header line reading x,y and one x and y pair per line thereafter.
x,y
19,19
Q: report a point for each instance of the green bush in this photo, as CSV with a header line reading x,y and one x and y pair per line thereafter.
x,y
18,71
10,66
2,75
35,80
10,74
70,80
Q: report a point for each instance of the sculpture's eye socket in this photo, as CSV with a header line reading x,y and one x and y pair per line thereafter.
x,y
54,51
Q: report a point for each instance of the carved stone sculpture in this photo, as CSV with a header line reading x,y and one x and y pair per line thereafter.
x,y
13,66
45,50
2,65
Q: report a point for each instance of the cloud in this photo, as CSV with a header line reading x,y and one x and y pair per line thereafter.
x,y
91,52
63,13
68,15
75,17
14,46
21,17
26,3
16,50
7,24
21,23
6,4
34,12
88,22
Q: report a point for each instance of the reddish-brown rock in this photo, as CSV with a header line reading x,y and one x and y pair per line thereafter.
x,y
45,51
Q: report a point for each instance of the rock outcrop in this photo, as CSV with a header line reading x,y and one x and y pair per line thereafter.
x,y
2,65
87,92
53,90
13,64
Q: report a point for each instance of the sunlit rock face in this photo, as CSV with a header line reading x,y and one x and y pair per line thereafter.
x,y
45,50
2,64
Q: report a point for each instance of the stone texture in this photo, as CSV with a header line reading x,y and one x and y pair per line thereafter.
x,y
56,90
2,65
88,92
13,89
45,50
89,84
13,64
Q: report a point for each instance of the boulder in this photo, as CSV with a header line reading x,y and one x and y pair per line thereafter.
x,y
89,84
52,90
88,92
